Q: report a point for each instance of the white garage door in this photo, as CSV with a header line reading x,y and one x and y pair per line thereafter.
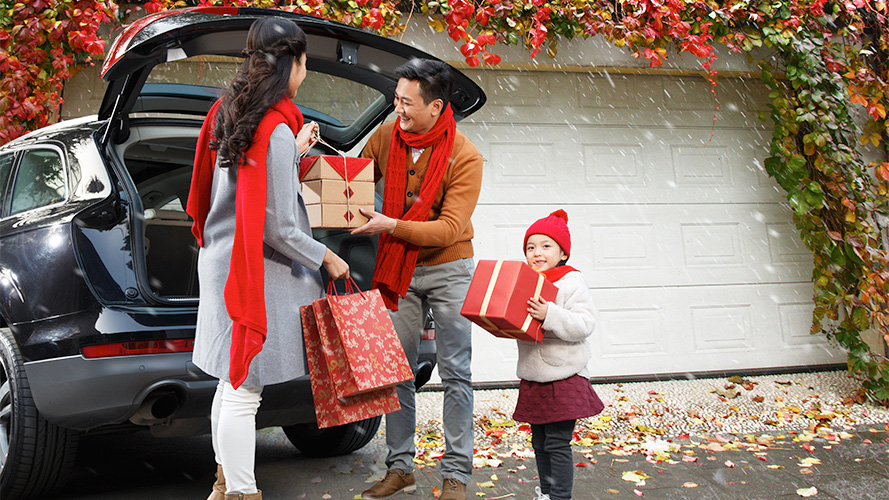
x,y
687,244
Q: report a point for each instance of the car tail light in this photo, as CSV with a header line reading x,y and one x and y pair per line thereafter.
x,y
429,333
136,348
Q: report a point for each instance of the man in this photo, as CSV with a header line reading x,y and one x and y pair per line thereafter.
x,y
432,177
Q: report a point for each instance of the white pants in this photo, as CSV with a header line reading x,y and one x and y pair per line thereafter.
x,y
233,424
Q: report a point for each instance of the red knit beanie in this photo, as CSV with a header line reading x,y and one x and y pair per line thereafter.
x,y
555,225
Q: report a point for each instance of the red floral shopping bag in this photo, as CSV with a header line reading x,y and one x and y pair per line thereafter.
x,y
331,410
358,324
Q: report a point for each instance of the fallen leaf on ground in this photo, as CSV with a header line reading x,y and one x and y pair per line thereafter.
x,y
634,476
690,485
807,492
809,461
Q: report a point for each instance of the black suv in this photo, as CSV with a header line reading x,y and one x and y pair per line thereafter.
x,y
98,283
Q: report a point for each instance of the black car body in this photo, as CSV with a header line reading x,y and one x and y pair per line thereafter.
x,y
98,283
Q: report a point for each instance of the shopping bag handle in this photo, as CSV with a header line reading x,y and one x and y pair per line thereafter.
x,y
351,286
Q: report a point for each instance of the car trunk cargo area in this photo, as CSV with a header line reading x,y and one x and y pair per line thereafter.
x,y
159,159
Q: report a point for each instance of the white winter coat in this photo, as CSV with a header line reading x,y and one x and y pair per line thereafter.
x,y
565,349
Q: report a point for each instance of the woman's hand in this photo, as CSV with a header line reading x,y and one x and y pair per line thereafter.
x,y
335,266
537,308
307,137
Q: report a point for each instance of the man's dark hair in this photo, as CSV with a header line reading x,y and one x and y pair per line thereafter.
x,y
435,78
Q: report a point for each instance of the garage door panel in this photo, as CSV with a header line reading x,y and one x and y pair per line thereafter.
x,y
660,245
606,99
688,246
677,329
686,329
620,165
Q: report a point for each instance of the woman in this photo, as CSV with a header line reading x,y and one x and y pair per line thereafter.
x,y
258,261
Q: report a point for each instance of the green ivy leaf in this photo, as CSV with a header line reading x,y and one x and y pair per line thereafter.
x,y
860,318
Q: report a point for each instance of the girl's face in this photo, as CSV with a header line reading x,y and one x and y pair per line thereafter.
x,y
297,75
543,253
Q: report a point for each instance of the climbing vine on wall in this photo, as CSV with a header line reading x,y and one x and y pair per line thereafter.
x,y
824,61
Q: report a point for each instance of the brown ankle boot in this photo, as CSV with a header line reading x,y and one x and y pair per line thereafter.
x,y
244,496
396,480
218,492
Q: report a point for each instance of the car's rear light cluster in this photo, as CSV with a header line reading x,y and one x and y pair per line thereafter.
x,y
136,348
428,333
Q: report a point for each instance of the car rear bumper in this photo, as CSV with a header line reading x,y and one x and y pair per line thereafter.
x,y
82,394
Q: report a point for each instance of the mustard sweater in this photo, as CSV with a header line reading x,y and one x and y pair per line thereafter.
x,y
447,235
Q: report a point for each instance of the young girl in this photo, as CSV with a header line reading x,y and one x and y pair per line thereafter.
x,y
555,387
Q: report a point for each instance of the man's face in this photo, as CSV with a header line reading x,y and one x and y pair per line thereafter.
x,y
416,116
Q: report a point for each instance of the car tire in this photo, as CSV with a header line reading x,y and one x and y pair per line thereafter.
x,y
333,441
36,457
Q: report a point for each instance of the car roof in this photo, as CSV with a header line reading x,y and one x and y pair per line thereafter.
x,y
333,49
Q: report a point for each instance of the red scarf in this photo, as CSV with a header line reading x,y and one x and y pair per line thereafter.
x,y
245,286
557,273
396,258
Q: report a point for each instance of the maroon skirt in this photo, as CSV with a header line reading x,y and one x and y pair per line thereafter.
x,y
546,402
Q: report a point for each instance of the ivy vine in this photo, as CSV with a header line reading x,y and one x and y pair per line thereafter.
x,y
826,69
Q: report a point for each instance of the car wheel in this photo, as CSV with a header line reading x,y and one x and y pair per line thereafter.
x,y
333,441
36,457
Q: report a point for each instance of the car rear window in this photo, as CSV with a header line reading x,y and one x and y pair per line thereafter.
x,y
39,181
342,99
5,169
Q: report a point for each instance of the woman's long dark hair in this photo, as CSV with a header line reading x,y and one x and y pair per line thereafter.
x,y
261,81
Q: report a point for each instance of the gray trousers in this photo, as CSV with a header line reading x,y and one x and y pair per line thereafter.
x,y
441,288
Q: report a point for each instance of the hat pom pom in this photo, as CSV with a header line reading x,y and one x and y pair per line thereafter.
x,y
560,214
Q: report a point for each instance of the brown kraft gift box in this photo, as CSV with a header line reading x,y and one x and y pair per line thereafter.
x,y
334,188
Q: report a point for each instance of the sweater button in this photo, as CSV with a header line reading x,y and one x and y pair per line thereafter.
x,y
412,172
410,194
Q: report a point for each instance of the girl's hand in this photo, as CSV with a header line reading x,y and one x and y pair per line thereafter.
x,y
307,137
537,308
335,266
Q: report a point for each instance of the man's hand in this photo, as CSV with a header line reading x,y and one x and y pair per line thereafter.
x,y
377,223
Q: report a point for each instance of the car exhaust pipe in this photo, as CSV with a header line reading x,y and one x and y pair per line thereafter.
x,y
156,408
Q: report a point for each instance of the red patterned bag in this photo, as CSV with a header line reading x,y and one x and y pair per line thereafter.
x,y
358,325
331,410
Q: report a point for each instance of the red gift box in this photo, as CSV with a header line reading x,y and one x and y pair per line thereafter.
x,y
330,410
498,298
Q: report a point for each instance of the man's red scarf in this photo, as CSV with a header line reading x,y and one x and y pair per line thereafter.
x,y
245,286
396,258
557,273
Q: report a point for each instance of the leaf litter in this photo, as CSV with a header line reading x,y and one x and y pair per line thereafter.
x,y
669,426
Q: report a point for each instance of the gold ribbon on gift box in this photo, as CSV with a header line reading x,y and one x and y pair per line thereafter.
x,y
490,291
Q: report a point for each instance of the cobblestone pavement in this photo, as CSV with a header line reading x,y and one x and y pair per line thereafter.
x,y
776,436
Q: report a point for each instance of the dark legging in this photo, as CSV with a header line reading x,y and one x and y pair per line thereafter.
x,y
555,463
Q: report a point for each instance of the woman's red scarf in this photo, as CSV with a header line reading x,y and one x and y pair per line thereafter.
x,y
396,258
557,273
245,286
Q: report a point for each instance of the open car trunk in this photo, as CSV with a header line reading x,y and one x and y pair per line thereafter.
x,y
158,158
165,71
